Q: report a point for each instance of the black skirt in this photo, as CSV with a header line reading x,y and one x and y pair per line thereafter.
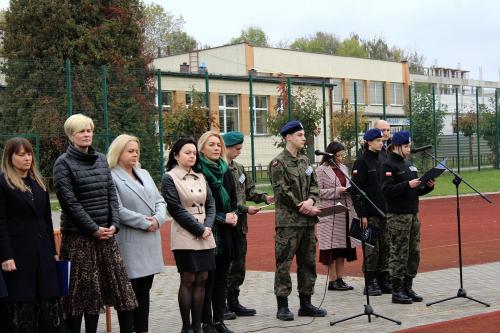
x,y
194,261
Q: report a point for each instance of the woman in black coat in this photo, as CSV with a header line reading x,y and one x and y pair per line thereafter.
x,y
27,247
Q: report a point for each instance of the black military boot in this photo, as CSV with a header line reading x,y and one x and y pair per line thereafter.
x,y
371,285
234,305
384,282
409,291
307,309
398,293
228,314
284,312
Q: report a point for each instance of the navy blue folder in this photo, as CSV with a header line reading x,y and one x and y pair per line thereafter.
x,y
63,268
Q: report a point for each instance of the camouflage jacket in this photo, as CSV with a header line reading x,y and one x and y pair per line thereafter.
x,y
245,191
293,180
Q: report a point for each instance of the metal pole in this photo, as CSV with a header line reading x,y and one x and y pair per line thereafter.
x,y
434,119
252,125
37,148
457,129
383,101
410,110
207,99
497,165
105,105
323,86
478,134
69,95
356,119
160,121
289,87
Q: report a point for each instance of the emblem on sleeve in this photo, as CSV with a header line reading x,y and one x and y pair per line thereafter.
x,y
388,174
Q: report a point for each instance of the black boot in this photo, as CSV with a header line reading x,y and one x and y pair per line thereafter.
x,y
409,291
228,314
372,287
284,312
234,305
384,282
398,293
307,309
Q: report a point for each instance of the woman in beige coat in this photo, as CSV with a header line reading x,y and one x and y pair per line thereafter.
x,y
192,207
332,230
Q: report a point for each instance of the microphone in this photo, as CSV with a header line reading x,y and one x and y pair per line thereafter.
x,y
322,153
417,150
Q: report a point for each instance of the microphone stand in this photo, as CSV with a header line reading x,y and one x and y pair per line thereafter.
x,y
461,293
368,309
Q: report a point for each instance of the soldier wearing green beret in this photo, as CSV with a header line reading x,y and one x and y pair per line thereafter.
x,y
245,191
296,191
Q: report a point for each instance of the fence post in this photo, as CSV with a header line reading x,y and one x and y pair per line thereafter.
x,y
37,149
105,104
457,129
497,165
434,119
356,118
289,87
410,110
383,101
252,125
69,94
478,134
207,99
323,86
160,121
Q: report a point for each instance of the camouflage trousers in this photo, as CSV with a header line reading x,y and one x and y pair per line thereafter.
x,y
299,242
404,230
377,257
237,269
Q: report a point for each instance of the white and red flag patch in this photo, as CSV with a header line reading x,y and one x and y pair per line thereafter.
x,y
354,172
388,174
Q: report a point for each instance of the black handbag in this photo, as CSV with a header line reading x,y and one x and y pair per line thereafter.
x,y
368,236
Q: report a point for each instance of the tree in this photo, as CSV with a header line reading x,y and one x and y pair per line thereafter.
x,y
467,126
163,30
352,47
343,122
378,49
321,42
253,35
41,35
304,108
487,121
415,61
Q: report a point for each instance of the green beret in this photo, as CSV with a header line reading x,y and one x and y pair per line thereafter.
x,y
232,138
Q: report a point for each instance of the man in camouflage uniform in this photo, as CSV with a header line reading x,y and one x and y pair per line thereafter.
x,y
295,192
245,191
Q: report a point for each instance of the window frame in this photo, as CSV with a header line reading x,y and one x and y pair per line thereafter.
x,y
223,108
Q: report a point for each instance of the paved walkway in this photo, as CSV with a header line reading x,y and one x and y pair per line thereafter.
x,y
481,282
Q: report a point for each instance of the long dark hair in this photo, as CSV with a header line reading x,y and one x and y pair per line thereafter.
x,y
333,148
176,148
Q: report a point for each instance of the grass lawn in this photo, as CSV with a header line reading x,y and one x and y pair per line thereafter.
x,y
487,180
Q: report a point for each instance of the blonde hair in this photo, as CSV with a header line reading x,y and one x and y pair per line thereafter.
x,y
117,147
76,123
14,146
204,138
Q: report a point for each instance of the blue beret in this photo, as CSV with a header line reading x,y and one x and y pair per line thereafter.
x,y
372,134
401,138
291,127
232,138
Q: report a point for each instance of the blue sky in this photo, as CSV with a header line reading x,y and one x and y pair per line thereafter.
x,y
446,31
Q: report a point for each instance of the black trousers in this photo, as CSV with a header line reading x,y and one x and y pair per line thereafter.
x,y
215,291
141,287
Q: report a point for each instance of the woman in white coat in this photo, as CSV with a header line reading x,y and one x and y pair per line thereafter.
x,y
142,212
334,243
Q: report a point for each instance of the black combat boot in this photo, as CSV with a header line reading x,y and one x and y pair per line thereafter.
x,y
284,312
384,282
228,314
398,293
371,285
409,291
307,309
234,305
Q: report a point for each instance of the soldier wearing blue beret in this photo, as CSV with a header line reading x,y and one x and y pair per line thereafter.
x,y
401,188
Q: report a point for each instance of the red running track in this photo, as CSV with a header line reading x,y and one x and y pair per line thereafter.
x,y
480,225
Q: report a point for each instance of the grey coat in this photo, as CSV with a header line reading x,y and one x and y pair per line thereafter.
x,y
140,249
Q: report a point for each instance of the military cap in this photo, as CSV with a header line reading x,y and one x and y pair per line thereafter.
x,y
232,138
401,138
372,134
291,127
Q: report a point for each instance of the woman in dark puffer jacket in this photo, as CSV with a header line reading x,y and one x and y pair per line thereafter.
x,y
89,220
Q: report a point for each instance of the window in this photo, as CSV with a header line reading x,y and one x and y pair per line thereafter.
x,y
377,93
166,100
280,105
396,93
337,91
360,91
228,113
260,112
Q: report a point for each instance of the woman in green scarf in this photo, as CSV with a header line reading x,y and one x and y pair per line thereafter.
x,y
220,179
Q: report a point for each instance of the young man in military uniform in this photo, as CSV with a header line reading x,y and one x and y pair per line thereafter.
x,y
295,192
245,191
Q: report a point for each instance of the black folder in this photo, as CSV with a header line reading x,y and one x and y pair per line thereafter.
x,y
368,235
